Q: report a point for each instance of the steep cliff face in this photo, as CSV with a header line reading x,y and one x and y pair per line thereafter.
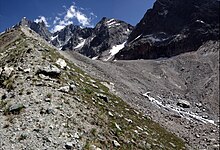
x,y
98,42
173,27
70,36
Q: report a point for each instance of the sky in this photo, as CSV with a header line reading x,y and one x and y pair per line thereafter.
x,y
59,13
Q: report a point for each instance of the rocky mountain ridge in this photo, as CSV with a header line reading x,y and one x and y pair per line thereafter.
x,y
46,102
173,27
95,42
99,42
168,29
39,27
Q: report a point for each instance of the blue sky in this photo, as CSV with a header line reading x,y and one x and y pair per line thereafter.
x,y
58,13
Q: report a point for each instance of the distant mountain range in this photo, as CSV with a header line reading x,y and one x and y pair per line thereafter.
x,y
170,28
99,42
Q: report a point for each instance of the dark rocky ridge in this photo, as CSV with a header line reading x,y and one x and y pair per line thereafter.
x,y
107,33
39,28
70,32
91,42
173,27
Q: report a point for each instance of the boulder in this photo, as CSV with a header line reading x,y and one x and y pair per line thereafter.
x,y
28,70
69,145
61,63
103,97
1,71
183,103
6,72
116,144
51,71
64,89
93,147
15,108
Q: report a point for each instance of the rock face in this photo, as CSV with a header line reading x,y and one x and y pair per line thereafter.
x,y
93,42
39,27
70,36
172,27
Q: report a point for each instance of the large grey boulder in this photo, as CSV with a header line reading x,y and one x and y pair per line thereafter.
x,y
51,71
183,103
6,72
64,89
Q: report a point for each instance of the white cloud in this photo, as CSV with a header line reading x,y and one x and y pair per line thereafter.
x,y
73,13
40,19
56,20
61,25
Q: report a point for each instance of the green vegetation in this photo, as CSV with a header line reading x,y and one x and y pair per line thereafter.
x,y
138,133
131,135
49,95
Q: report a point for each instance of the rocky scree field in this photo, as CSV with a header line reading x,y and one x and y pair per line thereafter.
x,y
180,93
46,102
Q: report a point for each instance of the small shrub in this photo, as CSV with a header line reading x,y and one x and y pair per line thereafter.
x,y
49,95
93,131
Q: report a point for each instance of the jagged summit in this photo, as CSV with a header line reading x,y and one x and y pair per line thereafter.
x,y
172,27
93,42
39,27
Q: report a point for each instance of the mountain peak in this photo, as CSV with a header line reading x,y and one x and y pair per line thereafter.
x,y
185,25
38,27
24,22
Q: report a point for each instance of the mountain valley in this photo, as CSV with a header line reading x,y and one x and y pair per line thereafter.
x,y
114,86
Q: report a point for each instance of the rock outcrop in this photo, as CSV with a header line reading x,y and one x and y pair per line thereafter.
x,y
173,27
39,28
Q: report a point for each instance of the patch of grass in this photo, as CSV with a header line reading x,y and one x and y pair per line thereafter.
x,y
94,131
9,84
49,95
2,104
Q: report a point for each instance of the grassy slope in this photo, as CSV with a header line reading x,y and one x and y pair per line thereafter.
x,y
142,133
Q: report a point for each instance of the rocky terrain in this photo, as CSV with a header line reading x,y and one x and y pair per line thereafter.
x,y
46,102
38,27
152,86
180,93
99,42
173,27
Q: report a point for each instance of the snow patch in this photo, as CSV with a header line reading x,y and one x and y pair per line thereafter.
x,y
53,37
179,111
95,58
137,37
110,20
111,23
115,50
80,45
200,21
